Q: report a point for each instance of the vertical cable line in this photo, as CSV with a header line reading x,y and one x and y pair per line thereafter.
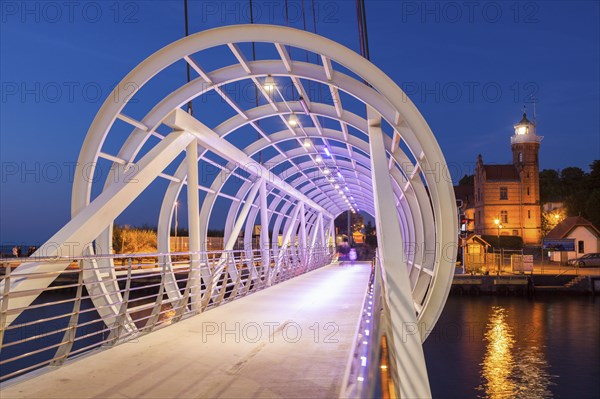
x,y
255,88
187,33
363,35
317,58
289,48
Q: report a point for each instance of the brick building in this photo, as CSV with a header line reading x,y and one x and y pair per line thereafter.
x,y
507,197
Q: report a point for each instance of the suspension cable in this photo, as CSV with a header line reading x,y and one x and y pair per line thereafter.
x,y
258,136
187,32
363,35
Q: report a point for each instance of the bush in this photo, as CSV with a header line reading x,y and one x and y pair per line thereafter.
x,y
133,240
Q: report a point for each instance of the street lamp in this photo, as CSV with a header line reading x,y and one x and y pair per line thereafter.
x,y
498,226
556,218
176,222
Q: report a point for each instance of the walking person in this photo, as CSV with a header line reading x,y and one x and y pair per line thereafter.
x,y
352,255
15,251
343,251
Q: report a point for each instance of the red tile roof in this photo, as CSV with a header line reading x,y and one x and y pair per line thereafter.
x,y
501,172
563,229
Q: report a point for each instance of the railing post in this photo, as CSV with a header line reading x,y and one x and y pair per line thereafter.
x,y
182,304
224,277
120,320
69,336
4,304
156,309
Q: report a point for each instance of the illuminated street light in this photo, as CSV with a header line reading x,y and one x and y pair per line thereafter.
x,y
176,221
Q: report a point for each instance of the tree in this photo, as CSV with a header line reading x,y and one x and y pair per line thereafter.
x,y
467,180
592,207
594,175
550,187
572,179
341,222
132,240
370,235
550,219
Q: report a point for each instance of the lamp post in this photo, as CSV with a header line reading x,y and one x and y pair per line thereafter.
x,y
498,226
176,225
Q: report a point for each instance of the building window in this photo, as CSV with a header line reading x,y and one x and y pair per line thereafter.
x,y
528,214
521,157
504,216
478,216
503,193
580,247
527,190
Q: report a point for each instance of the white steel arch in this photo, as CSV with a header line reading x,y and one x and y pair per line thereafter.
x,y
406,192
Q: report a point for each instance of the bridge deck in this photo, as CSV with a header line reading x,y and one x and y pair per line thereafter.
x,y
291,340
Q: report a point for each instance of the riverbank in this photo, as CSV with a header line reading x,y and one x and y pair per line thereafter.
x,y
526,285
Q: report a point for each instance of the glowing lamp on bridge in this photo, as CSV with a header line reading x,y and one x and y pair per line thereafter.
x,y
293,120
269,84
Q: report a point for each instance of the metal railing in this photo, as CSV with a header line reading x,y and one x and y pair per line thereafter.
x,y
370,371
64,322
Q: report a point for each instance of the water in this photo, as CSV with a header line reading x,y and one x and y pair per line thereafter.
x,y
513,347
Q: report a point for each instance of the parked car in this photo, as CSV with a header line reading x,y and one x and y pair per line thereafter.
x,y
589,260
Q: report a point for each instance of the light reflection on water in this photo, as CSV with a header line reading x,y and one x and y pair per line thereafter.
x,y
512,369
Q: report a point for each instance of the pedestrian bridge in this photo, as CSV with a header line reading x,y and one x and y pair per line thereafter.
x,y
326,133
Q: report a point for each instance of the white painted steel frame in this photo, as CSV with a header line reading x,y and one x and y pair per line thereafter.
x,y
427,219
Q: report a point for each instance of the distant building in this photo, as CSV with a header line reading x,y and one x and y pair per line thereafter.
x,y
582,231
507,197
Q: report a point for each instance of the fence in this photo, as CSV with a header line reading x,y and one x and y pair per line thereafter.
x,y
64,322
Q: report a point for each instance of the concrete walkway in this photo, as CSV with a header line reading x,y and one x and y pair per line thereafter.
x,y
288,341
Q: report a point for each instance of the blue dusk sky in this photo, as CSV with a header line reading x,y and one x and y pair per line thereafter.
x,y
469,67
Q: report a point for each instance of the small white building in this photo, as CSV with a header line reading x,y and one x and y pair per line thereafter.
x,y
585,234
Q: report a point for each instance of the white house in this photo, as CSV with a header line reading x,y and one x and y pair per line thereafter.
x,y
586,236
